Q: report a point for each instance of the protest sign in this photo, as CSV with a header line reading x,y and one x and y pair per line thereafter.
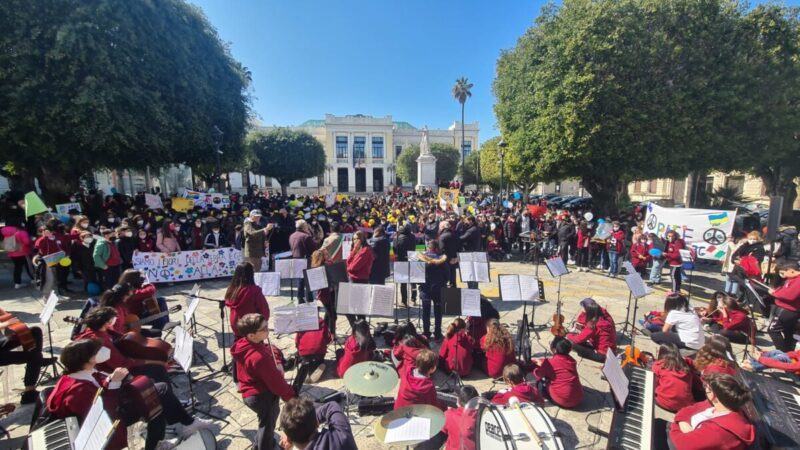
x,y
213,199
182,204
189,265
153,201
449,195
705,230
63,209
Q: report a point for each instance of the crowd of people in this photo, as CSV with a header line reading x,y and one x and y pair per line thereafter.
x,y
695,374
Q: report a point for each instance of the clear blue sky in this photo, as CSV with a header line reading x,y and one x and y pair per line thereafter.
x,y
375,57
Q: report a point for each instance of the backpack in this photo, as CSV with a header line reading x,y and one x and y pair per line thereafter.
x,y
10,244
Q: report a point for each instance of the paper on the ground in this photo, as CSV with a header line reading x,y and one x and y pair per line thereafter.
x,y
270,283
556,266
471,302
408,429
616,377
190,309
96,428
317,278
346,247
184,346
382,301
291,319
49,307
636,285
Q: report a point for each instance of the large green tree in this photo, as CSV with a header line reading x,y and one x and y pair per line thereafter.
x,y
287,155
770,133
610,91
447,162
89,84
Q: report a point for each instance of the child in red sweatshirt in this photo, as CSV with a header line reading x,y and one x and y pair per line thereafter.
x,y
519,388
733,322
787,306
557,377
407,345
459,423
717,423
775,359
358,348
498,349
311,348
456,351
416,385
673,378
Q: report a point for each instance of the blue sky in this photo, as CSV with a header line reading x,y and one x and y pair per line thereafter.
x,y
375,57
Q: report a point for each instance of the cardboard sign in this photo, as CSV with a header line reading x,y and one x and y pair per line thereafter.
x,y
63,209
182,204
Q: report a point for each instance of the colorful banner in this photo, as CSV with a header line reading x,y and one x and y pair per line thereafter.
x,y
213,199
191,265
705,230
182,204
63,209
449,195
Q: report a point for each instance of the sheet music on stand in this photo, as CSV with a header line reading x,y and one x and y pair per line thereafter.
x,y
365,299
347,247
194,301
518,288
184,348
474,266
686,255
96,429
409,271
317,278
470,302
48,309
291,268
291,319
270,283
556,267
616,378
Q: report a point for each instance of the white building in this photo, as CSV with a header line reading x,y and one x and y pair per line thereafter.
x,y
361,151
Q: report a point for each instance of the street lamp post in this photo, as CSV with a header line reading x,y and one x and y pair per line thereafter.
x,y
502,144
217,134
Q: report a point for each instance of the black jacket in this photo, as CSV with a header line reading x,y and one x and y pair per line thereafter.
x,y
126,247
404,242
565,233
380,265
471,239
449,244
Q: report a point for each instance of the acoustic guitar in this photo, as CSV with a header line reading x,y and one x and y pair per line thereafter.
x,y
134,323
21,330
139,397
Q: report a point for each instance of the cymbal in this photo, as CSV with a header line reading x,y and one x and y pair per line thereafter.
x,y
370,379
433,413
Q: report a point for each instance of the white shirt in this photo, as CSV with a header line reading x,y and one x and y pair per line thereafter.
x,y
688,326
86,375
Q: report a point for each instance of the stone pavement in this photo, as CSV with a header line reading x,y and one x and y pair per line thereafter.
x,y
218,392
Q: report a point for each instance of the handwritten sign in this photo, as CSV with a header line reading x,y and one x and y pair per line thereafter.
x,y
189,265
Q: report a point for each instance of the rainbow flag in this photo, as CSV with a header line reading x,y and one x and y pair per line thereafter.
x,y
718,219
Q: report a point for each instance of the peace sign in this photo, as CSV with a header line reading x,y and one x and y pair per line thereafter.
x,y
652,221
714,236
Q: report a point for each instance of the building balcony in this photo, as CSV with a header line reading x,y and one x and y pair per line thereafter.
x,y
342,160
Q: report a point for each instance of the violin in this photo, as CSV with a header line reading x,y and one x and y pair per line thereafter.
x,y
558,322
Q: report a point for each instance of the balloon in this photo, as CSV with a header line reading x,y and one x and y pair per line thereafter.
x,y
601,221
655,253
93,289
588,216
506,203
517,195
65,261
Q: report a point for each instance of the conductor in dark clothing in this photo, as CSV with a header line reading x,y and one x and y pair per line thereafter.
x,y
380,248
404,242
471,241
449,245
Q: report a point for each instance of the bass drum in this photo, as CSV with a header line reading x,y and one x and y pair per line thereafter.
x,y
506,427
202,440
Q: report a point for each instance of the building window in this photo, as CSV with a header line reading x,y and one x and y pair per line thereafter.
x,y
397,150
341,146
637,187
709,185
467,148
558,187
651,186
377,147
736,183
304,182
359,144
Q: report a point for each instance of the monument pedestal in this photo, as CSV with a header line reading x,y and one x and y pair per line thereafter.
x,y
426,171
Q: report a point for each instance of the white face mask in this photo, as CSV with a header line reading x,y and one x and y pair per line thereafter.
x,y
103,355
128,233
84,225
111,220
88,241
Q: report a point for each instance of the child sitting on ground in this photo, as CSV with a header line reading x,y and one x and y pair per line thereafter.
x,y
497,349
416,385
311,348
518,387
557,377
358,347
673,378
455,354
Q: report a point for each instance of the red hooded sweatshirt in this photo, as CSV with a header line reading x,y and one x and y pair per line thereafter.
x,y
729,432
314,342
640,255
415,389
476,327
496,360
523,391
793,366
134,302
672,253
406,355
257,371
459,426
353,354
673,387
359,264
565,386
456,353
74,397
788,295
117,359
601,336
736,321
248,300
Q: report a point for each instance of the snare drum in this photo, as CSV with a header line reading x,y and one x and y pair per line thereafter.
x,y
498,424
202,440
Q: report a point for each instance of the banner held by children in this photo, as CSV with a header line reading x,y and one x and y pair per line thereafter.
x,y
705,230
189,265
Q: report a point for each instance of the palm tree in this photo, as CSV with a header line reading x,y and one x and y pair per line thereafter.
x,y
461,92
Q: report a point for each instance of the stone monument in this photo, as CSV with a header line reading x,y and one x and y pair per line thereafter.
x,y
426,164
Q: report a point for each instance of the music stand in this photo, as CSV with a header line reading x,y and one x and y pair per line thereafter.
x,y
44,318
189,316
184,339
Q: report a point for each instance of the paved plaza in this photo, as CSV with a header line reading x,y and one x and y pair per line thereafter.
x,y
218,393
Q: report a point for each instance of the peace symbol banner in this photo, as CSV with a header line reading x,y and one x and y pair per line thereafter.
x,y
705,230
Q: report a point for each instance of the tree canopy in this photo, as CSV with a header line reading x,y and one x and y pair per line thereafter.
x,y
287,155
113,84
447,161
611,91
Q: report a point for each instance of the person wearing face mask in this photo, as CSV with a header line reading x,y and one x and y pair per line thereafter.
x,y
145,241
216,239
75,391
614,246
672,257
197,234
167,237
81,225
107,259
82,258
111,220
640,254
183,232
17,244
126,244
45,245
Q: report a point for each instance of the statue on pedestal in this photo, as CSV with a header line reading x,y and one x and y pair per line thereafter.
x,y
426,163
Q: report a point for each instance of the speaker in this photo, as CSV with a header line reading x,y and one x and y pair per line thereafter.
x,y
774,219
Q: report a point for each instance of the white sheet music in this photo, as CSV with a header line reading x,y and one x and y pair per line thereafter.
x,y
49,307
408,429
191,308
509,288
412,255
628,267
96,428
474,266
290,268
270,283
529,288
636,285
291,319
471,302
466,257
467,270
616,377
480,257
298,266
417,274
360,298
317,278
686,255
184,346
195,290
401,272
382,301
347,246
556,267
481,272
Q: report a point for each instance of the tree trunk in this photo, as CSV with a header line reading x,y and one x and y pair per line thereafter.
x,y
284,186
461,147
57,185
781,184
606,194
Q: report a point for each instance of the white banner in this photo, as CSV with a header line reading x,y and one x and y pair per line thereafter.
x,y
191,265
203,199
705,230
